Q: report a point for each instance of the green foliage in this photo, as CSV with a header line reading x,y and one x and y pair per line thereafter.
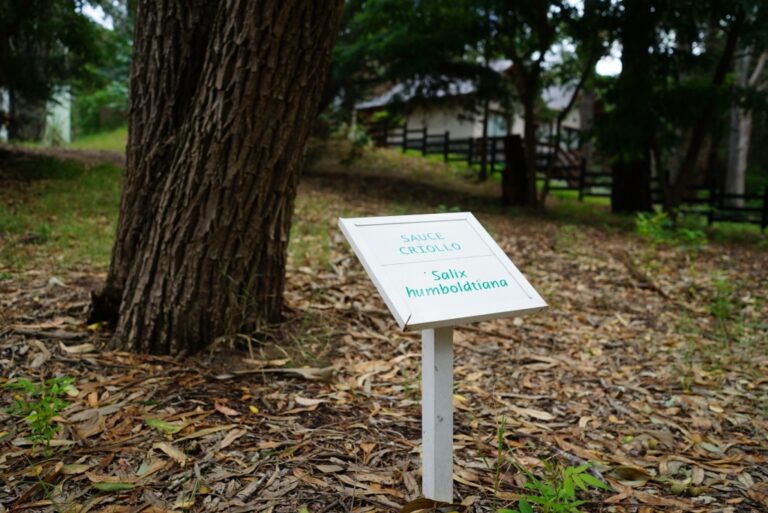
x,y
47,43
43,232
101,104
9,223
672,87
168,428
461,41
360,141
722,307
556,492
658,228
103,109
39,403
691,237
655,227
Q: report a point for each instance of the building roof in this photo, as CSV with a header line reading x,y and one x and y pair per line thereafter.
x,y
556,97
401,92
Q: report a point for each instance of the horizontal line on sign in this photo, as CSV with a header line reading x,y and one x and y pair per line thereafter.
x,y
438,260
365,225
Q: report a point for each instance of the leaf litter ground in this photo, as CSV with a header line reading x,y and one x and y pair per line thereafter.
x,y
651,362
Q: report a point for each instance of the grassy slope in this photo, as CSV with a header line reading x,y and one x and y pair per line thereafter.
x,y
63,218
64,213
108,141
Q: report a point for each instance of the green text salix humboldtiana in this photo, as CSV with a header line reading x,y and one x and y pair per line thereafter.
x,y
453,281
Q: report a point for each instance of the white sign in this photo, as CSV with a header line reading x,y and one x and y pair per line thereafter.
x,y
439,269
436,271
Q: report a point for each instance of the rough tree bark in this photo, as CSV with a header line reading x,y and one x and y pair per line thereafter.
x,y
222,102
169,46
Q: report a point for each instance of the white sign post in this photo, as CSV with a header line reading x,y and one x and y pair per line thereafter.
x,y
434,272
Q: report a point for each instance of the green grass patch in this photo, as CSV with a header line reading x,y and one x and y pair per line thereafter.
x,y
114,140
66,216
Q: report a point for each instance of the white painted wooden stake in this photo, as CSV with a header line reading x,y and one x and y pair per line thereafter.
x,y
437,413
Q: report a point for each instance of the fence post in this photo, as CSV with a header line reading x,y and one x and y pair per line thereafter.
x,y
385,142
470,151
764,222
405,136
446,145
424,141
493,155
712,203
483,158
582,177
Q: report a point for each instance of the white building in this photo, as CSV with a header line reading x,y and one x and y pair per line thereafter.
x,y
5,103
442,113
58,118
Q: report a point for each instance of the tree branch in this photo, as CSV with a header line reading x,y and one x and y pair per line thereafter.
x,y
759,66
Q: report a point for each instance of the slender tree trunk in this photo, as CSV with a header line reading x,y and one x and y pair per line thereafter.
x,y
529,137
552,161
739,135
484,158
713,166
587,117
698,135
737,183
12,126
209,248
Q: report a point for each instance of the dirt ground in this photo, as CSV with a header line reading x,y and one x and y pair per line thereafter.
x,y
651,363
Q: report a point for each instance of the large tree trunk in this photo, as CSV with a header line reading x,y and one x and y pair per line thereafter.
x,y
201,253
170,38
27,118
631,189
514,178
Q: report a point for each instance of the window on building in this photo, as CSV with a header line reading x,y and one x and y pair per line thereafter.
x,y
497,124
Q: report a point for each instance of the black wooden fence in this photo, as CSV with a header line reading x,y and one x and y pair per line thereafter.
x,y
562,169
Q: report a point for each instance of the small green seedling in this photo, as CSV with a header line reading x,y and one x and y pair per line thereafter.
x,y
39,403
659,229
557,492
722,306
